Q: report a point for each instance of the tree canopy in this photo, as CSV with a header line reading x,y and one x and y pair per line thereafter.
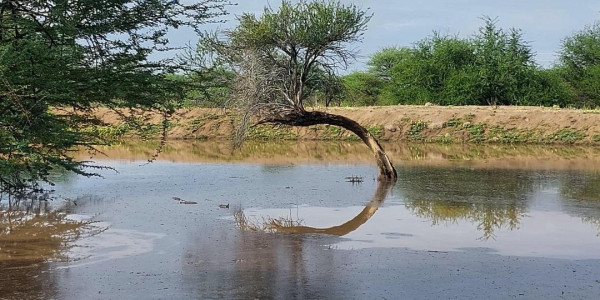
x,y
580,60
61,58
279,55
492,67
294,41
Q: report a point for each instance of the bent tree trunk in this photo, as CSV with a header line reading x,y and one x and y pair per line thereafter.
x,y
308,118
383,189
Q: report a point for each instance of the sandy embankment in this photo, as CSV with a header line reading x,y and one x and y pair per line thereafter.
x,y
443,124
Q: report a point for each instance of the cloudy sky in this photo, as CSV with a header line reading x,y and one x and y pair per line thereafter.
x,y
545,23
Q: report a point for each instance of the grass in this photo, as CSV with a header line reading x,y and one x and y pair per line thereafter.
x,y
111,132
267,132
197,123
265,224
415,130
476,131
455,122
507,136
567,135
444,139
376,131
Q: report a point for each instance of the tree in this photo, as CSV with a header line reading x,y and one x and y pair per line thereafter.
x,y
428,70
580,61
493,67
275,55
60,59
362,88
505,65
324,85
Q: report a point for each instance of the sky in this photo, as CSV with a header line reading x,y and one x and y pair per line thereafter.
x,y
401,23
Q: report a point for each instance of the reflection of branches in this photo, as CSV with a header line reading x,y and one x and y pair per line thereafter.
x,y
487,216
31,231
594,221
287,225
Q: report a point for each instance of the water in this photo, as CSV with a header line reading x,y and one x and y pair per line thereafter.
x,y
517,212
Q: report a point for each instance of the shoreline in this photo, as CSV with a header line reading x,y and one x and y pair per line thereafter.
x,y
430,124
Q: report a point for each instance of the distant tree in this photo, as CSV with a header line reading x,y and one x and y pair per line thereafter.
x,y
362,88
493,67
580,61
504,64
384,61
324,85
275,55
61,59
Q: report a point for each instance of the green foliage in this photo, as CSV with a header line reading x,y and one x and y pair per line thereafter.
x,y
416,128
361,89
376,131
61,59
567,135
293,50
493,67
476,131
580,60
453,122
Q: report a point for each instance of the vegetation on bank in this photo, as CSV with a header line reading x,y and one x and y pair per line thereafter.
x,y
494,66
62,60
457,128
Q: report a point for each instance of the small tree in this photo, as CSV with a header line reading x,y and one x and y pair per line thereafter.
x,y
580,59
60,59
276,54
362,88
504,63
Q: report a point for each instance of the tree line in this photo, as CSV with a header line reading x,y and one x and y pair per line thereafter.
x,y
493,67
60,60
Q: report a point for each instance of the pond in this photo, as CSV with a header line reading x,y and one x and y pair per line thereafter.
x,y
461,221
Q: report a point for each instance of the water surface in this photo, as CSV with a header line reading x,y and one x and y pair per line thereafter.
x,y
460,221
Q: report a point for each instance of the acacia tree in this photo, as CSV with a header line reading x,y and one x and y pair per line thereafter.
x,y
276,54
580,63
59,59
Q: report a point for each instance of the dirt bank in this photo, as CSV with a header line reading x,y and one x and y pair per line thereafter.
x,y
441,124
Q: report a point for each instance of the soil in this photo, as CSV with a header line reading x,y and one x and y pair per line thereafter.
x,y
429,123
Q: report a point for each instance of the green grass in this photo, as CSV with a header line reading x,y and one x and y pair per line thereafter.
x,y
476,131
376,131
444,139
567,135
456,122
416,128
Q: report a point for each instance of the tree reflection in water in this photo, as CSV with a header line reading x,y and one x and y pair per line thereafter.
x,y
492,199
291,226
580,193
32,234
275,266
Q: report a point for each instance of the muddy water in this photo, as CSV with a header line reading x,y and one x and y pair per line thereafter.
x,y
461,222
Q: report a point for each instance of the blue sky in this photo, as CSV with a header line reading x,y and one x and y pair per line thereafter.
x,y
545,23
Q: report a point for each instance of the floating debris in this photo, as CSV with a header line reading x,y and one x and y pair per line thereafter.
x,y
187,202
181,201
354,179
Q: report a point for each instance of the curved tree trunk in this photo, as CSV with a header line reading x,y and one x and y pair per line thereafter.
x,y
307,118
383,189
